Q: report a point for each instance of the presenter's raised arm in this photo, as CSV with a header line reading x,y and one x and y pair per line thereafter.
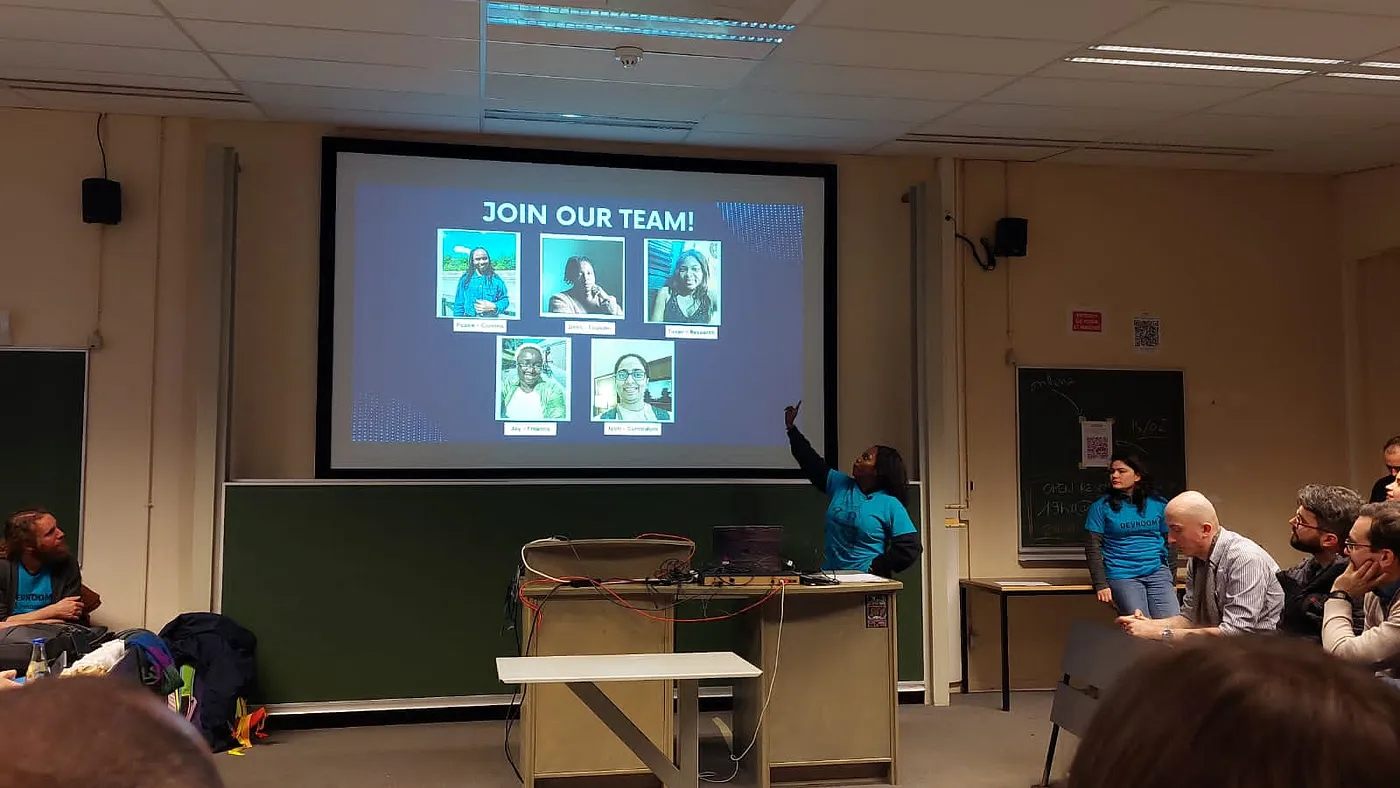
x,y
811,463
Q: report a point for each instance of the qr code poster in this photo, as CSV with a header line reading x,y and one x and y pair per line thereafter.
x,y
1147,334
1095,443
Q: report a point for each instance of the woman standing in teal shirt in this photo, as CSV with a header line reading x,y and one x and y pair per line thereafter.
x,y
1130,562
868,528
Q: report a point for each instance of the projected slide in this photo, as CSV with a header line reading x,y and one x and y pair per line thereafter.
x,y
585,316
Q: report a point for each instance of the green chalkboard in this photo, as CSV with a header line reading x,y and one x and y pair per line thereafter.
x,y
339,581
1148,413
43,414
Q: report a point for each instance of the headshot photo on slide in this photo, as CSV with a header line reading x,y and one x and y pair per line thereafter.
x,y
682,282
532,378
633,379
582,276
478,274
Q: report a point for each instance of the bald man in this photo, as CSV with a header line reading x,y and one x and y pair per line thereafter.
x,y
1231,583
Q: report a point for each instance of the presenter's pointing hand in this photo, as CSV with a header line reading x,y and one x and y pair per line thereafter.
x,y
790,414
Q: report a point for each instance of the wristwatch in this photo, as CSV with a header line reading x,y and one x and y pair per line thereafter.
x,y
1167,633
1341,595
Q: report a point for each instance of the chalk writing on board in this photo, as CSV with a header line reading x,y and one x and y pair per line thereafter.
x,y
1151,429
1052,381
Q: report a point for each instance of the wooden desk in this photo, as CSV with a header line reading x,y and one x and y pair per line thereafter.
x,y
1004,589
582,674
807,640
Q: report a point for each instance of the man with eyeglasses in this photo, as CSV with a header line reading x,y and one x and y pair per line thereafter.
x,y
531,395
1320,527
1373,572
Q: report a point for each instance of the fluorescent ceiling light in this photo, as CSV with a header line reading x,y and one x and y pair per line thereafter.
x,y
1221,55
1356,75
1199,66
1379,64
600,21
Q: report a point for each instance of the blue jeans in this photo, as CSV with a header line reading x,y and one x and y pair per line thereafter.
x,y
1154,594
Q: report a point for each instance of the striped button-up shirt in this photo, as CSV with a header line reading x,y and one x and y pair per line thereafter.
x,y
1236,589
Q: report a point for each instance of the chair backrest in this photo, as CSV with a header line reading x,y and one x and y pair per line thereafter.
x,y
1095,656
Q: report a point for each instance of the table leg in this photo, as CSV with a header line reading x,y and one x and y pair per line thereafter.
x,y
1005,658
606,711
962,631
688,743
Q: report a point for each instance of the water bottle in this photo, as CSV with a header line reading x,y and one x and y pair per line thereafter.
x,y
38,662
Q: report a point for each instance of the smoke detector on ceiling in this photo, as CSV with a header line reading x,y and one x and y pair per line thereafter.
x,y
629,57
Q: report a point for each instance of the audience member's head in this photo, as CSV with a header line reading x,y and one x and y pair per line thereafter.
x,y
1192,524
34,532
1391,455
80,732
1375,538
1253,711
1324,518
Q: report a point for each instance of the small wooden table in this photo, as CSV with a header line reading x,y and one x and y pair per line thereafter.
x,y
1015,587
1004,589
582,674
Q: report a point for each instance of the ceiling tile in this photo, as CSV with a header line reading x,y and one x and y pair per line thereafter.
x,y
1165,159
1061,20
600,64
748,10
760,142
765,102
919,52
579,131
782,75
1378,7
1288,102
340,45
145,7
117,60
325,73
1165,76
588,97
1246,131
85,27
1359,87
1024,115
126,80
371,120
1014,135
141,105
968,151
451,18
9,98
1262,31
1057,92
803,127
391,101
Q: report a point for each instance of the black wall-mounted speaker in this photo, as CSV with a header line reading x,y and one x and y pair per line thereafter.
x,y
102,201
1010,238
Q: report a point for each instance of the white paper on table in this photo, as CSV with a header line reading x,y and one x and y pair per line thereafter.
x,y
858,577
1095,443
1021,583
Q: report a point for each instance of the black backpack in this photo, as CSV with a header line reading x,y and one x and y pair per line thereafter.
x,y
222,654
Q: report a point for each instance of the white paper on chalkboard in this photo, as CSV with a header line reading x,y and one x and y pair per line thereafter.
x,y
1095,443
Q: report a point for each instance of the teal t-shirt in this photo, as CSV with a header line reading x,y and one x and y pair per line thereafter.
x,y
1134,542
859,526
35,591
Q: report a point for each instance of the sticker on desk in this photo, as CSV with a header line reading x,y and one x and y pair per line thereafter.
x,y
877,611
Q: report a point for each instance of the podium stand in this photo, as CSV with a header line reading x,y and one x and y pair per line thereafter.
x,y
828,656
